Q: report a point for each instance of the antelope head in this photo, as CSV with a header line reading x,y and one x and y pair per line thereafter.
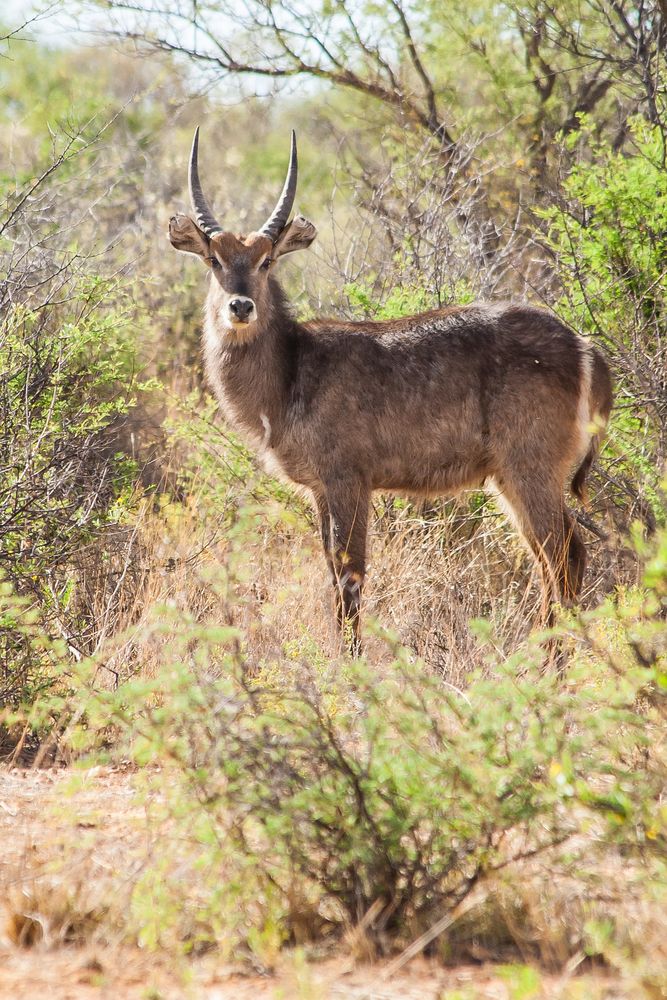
x,y
240,265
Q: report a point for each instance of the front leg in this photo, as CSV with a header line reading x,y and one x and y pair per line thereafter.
x,y
343,511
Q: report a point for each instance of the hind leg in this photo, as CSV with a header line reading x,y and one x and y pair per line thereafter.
x,y
540,515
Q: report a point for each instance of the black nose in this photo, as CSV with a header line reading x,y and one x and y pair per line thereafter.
x,y
242,308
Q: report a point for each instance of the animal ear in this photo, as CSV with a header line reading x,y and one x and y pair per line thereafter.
x,y
298,235
185,235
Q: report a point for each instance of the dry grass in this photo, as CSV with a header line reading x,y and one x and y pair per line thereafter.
x,y
69,862
430,573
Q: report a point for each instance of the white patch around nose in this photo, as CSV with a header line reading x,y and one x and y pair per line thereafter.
x,y
237,316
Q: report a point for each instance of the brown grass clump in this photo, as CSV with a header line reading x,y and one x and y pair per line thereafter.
x,y
52,913
66,869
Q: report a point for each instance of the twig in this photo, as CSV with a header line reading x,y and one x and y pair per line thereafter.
x,y
417,946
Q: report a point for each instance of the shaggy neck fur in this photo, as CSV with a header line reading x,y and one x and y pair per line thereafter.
x,y
250,370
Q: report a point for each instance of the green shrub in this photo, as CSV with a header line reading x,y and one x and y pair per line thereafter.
x,y
608,237
310,794
70,377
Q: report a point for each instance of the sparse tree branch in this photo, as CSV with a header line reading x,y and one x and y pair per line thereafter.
x,y
433,120
332,68
373,53
15,33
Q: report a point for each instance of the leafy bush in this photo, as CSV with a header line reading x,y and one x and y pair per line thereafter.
x,y
403,300
304,797
67,351
608,238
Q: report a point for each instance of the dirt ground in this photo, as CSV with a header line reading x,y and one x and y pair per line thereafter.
x,y
63,850
92,974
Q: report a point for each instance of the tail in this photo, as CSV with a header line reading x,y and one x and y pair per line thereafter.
x,y
600,401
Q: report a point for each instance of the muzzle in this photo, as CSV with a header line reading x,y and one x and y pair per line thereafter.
x,y
242,310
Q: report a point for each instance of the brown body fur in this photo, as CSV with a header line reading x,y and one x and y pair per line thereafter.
x,y
497,395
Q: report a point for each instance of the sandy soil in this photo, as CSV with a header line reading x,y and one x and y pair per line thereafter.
x,y
92,974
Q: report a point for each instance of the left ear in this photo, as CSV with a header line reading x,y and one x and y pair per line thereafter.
x,y
298,235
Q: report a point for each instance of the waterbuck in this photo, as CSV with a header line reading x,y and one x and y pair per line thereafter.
x,y
499,396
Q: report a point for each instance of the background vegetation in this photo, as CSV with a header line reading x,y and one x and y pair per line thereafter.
x,y
163,603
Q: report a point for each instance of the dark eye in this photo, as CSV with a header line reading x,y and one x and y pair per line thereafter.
x,y
266,264
215,263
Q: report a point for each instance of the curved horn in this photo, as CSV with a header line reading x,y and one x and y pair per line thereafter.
x,y
203,215
275,224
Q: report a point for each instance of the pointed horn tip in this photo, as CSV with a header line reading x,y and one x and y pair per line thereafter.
x,y
204,217
280,215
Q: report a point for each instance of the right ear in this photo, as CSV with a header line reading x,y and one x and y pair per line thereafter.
x,y
186,236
